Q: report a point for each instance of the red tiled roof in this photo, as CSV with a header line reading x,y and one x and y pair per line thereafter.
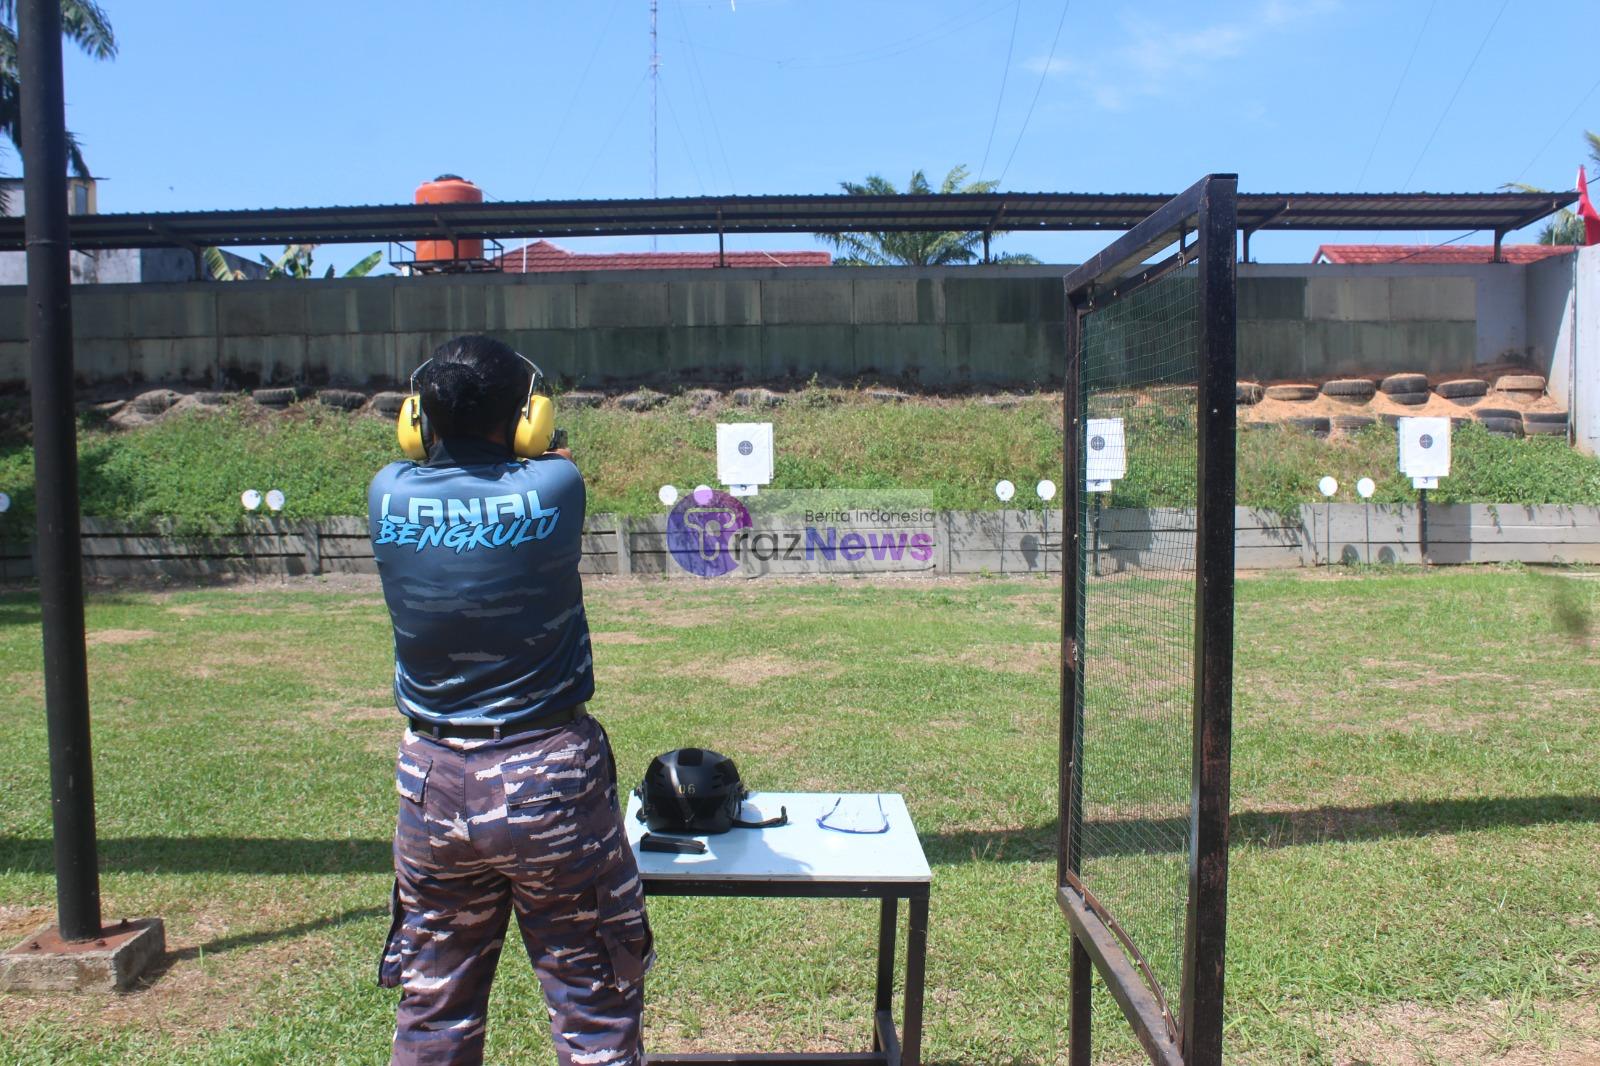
x,y
1437,253
543,257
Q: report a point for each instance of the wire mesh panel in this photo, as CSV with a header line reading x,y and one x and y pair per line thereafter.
x,y
1147,624
1136,604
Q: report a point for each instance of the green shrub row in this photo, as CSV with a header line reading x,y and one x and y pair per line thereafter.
x,y
188,469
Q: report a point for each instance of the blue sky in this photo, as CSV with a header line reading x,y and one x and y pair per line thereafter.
x,y
290,104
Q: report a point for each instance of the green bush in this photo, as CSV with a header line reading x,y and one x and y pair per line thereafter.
x,y
188,469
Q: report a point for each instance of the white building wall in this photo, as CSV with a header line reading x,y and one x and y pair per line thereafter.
x,y
1585,353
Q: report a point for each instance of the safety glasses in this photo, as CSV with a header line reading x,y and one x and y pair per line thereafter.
x,y
849,821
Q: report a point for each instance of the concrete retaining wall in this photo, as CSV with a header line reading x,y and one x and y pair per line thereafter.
x,y
940,327
961,542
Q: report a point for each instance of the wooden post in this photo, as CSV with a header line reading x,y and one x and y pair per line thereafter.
x,y
624,546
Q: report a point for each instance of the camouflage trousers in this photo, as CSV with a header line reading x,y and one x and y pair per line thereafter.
x,y
530,825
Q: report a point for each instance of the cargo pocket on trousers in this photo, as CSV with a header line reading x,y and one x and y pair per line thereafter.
x,y
391,961
411,775
412,838
630,945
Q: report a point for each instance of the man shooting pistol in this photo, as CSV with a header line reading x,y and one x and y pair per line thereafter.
x,y
507,787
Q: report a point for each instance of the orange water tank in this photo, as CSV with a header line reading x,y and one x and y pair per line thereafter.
x,y
449,189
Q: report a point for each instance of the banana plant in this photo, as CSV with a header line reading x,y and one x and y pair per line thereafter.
x,y
294,262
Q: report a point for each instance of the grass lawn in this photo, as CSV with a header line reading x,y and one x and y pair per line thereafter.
x,y
1416,873
953,449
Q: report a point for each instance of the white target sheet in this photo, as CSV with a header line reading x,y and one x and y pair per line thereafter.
x,y
801,851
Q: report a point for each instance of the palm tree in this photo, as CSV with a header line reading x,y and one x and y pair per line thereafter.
x,y
1566,227
915,249
85,24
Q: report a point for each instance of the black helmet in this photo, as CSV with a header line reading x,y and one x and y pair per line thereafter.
x,y
694,790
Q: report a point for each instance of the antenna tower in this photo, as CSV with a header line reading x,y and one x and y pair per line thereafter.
x,y
655,126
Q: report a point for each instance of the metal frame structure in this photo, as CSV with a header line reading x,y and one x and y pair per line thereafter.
x,y
890,1047
1208,213
989,213
403,257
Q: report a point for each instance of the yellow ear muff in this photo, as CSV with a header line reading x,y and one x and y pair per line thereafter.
x,y
536,427
408,428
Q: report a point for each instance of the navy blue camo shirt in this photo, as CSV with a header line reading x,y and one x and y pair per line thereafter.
x,y
478,552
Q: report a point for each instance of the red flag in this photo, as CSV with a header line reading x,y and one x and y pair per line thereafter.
x,y
1586,211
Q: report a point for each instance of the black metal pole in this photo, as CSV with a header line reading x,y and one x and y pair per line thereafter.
x,y
1069,844
1422,525
1205,933
55,467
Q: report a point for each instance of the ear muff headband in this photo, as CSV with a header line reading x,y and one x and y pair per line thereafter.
x,y
536,421
529,435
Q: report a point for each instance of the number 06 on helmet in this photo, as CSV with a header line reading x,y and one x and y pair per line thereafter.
x,y
530,434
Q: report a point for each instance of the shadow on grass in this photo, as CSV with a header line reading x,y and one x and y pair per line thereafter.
x,y
1277,829
223,944
18,609
268,856
251,856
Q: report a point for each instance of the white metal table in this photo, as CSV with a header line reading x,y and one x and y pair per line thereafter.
x,y
802,859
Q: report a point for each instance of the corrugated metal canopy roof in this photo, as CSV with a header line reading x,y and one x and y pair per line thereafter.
x,y
1016,212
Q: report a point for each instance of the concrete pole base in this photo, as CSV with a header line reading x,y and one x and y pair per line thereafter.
x,y
112,962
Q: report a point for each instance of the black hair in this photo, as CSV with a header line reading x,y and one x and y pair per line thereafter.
x,y
473,387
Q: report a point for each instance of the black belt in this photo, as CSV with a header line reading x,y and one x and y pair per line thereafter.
x,y
442,730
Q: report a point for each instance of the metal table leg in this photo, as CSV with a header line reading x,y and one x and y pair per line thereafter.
x,y
916,974
890,1046
883,999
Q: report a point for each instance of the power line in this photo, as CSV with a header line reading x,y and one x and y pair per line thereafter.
x,y
673,114
572,104
1464,75
1005,74
1397,86
698,81
1558,131
1431,247
1043,74
614,126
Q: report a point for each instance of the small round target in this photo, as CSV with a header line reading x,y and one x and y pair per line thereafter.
x,y
1046,489
1327,486
1426,440
251,498
275,499
745,447
1097,443
1365,488
1004,490
668,495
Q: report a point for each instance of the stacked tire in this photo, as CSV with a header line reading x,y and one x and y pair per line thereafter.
x,y
1351,390
1463,390
1544,423
1409,390
1501,421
